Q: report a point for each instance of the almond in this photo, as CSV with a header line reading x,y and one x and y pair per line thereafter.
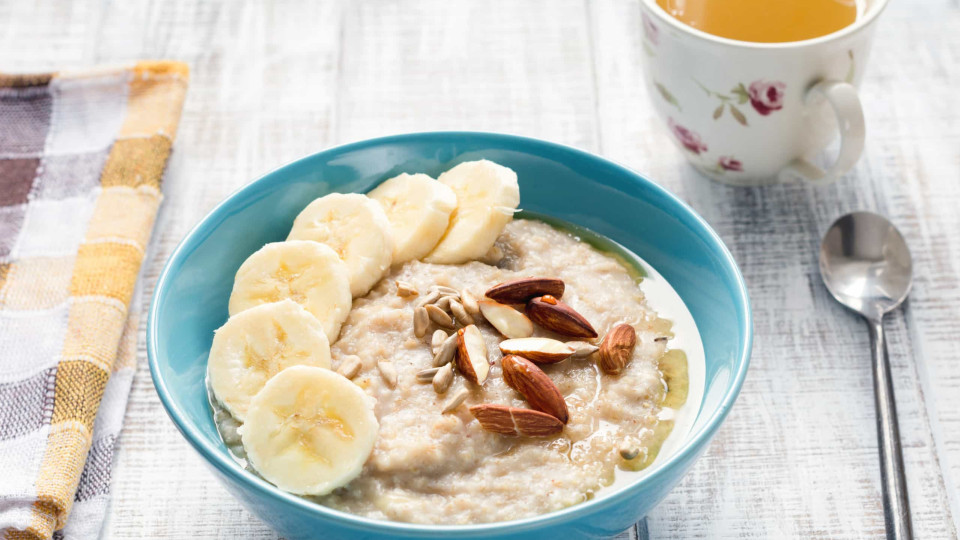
x,y
519,291
535,386
508,321
537,349
617,349
558,317
472,354
515,421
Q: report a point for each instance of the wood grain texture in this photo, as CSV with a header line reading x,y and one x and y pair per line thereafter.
x,y
273,81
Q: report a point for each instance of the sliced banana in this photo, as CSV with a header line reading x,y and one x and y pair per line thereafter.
x,y
258,343
309,430
356,228
419,209
308,273
487,195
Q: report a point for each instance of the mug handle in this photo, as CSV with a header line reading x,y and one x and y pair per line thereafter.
x,y
846,105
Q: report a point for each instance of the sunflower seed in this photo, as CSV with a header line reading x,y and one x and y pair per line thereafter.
x,y
439,316
405,289
421,319
426,375
469,302
446,351
456,399
388,372
429,299
445,291
442,378
350,367
460,313
582,349
444,302
438,338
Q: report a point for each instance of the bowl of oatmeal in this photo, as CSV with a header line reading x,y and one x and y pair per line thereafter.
x,y
450,333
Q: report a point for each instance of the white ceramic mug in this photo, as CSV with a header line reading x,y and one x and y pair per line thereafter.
x,y
756,113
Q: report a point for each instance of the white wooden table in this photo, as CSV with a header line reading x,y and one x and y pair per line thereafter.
x,y
273,81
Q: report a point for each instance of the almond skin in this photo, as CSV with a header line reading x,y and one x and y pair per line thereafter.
x,y
558,317
472,354
515,421
617,349
519,291
535,386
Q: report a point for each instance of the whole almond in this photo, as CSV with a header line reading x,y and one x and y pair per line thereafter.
x,y
537,349
535,386
472,354
515,421
617,349
558,317
519,291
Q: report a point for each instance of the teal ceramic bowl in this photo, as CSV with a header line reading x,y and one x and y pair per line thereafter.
x,y
192,292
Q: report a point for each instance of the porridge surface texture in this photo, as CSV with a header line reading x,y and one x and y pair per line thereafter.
x,y
429,467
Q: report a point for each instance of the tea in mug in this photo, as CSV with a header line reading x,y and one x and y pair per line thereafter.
x,y
764,21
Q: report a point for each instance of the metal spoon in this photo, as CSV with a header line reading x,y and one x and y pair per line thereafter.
x,y
865,263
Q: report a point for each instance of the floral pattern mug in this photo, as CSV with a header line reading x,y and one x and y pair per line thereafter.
x,y
756,113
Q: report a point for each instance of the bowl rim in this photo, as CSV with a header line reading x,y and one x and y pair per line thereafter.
x,y
232,469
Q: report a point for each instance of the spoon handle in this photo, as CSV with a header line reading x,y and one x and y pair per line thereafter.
x,y
896,507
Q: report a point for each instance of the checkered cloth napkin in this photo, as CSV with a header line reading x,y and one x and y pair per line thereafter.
x,y
81,160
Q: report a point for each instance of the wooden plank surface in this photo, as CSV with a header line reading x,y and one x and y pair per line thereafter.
x,y
273,81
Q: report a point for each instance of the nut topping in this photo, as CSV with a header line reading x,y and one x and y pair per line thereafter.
x,y
508,321
437,339
558,317
388,372
455,400
350,367
520,290
535,386
460,313
469,302
405,290
617,349
515,421
443,378
426,375
472,354
439,316
537,349
446,351
582,349
421,319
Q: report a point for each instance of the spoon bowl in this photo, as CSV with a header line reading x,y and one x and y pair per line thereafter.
x,y
865,264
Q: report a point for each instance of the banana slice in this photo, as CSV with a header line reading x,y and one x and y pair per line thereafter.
x,y
309,273
487,195
419,209
258,343
356,228
309,430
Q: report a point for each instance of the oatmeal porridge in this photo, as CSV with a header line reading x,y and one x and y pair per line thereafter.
x,y
444,404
